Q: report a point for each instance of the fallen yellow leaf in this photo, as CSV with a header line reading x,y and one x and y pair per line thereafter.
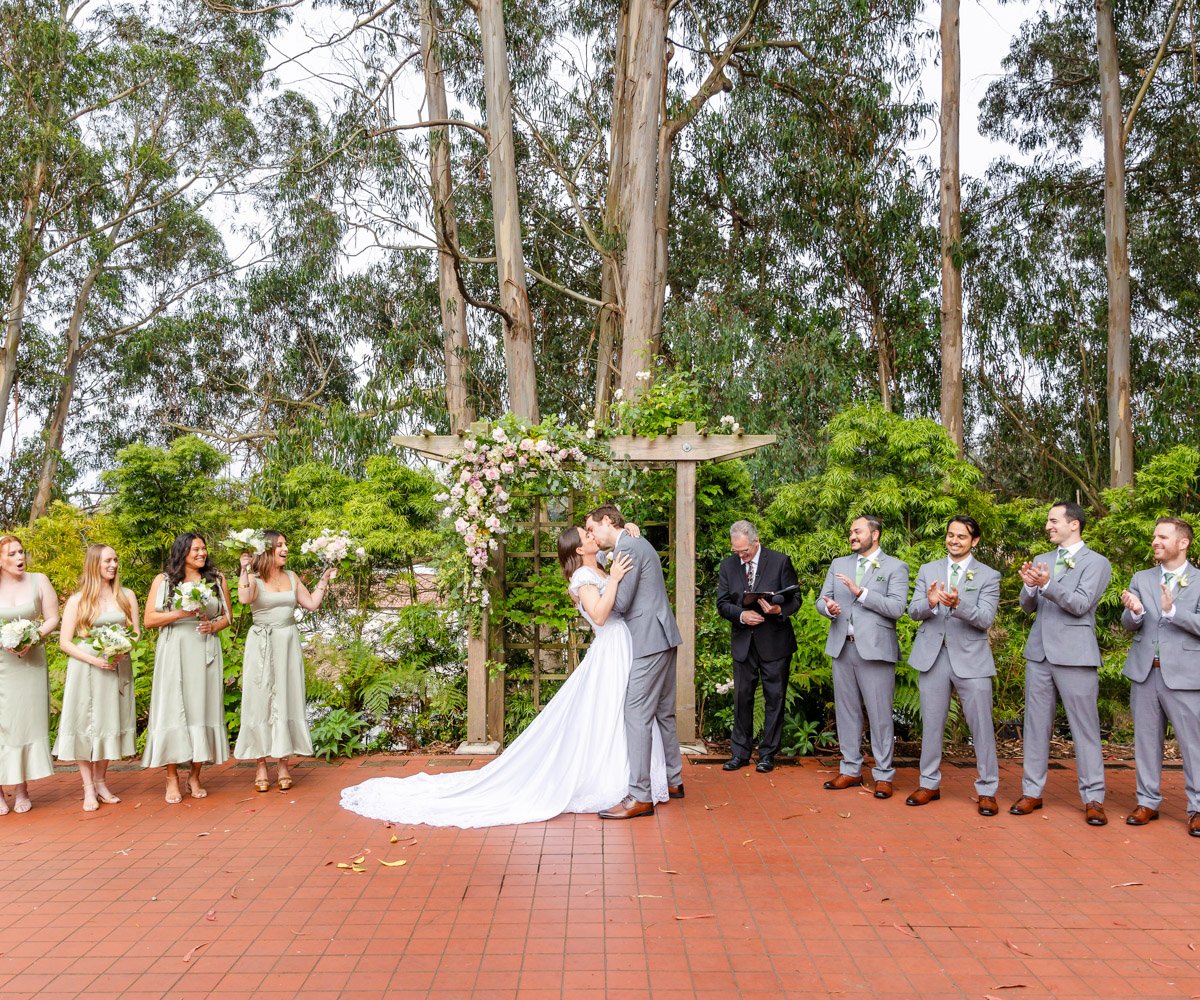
x,y
392,864
395,839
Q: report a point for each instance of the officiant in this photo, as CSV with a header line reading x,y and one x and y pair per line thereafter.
x,y
757,592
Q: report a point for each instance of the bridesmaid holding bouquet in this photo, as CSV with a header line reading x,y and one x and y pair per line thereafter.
x,y
189,605
98,719
274,720
28,613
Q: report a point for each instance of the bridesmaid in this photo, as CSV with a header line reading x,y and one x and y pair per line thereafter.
x,y
98,719
187,697
24,680
274,721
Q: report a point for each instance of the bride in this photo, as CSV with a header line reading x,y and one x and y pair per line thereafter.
x,y
571,758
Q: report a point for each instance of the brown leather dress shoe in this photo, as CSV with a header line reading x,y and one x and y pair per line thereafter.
x,y
923,796
675,791
988,805
1094,812
1141,816
1194,824
1025,805
628,808
844,781
883,789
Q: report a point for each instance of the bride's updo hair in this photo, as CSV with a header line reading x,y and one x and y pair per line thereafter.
x,y
568,556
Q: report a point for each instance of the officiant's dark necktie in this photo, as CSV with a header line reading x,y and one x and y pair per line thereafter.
x,y
749,568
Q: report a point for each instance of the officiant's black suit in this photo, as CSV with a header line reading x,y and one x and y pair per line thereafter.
x,y
760,652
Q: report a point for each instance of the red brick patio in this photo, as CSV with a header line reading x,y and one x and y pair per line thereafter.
x,y
753,886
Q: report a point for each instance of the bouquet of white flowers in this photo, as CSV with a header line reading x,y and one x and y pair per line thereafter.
x,y
246,540
19,633
333,547
193,596
110,640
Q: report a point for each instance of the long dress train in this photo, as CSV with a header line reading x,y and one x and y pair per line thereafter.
x,y
571,758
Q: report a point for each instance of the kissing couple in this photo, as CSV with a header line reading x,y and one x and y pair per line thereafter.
x,y
606,742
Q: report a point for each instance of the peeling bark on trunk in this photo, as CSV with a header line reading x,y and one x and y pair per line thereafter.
x,y
454,307
647,46
506,215
1116,242
951,230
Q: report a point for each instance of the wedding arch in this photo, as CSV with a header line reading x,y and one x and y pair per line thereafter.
x,y
683,449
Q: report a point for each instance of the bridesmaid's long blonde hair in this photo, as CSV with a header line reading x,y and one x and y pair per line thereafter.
x,y
91,592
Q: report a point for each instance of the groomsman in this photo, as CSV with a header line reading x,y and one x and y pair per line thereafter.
x,y
955,601
1063,586
762,640
864,594
1162,610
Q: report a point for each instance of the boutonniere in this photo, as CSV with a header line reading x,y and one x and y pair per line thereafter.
x,y
874,563
1183,581
1069,562
970,575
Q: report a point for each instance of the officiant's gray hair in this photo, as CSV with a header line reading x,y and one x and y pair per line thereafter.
x,y
743,529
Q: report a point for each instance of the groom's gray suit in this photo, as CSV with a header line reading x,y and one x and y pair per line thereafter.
x,y
1164,665
650,697
1062,655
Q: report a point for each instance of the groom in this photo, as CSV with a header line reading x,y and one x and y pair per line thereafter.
x,y
650,697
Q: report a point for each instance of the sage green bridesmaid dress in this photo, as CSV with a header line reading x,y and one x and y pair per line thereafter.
x,y
24,701
98,719
187,696
274,719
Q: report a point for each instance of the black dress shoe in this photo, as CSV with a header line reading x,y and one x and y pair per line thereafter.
x,y
734,763
765,765
675,791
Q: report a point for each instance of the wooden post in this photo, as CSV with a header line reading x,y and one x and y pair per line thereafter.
x,y
495,644
685,599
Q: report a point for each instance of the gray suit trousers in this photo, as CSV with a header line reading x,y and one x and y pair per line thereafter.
x,y
1153,703
650,698
1078,687
975,696
858,682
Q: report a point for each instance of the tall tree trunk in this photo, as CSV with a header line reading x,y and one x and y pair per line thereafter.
x,y
609,320
1116,243
951,227
454,307
506,214
662,208
55,431
647,44
883,358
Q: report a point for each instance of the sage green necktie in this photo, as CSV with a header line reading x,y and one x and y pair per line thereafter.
x,y
954,570
1168,578
862,568
1060,563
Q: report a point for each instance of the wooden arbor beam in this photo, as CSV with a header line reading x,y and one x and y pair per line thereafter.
x,y
684,449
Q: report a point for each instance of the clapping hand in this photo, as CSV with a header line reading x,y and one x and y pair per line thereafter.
x,y
853,587
1035,575
1168,599
832,607
1131,602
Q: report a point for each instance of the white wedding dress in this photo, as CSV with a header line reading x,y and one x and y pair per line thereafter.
x,y
571,759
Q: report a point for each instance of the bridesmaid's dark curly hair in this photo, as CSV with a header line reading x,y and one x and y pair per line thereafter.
x,y
177,562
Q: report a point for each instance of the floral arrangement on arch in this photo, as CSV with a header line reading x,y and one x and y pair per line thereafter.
x,y
498,459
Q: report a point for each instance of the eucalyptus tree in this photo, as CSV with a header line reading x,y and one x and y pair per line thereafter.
x,y
1050,103
142,126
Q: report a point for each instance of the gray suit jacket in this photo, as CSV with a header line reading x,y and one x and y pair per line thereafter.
x,y
1064,631
642,600
962,630
875,616
1175,641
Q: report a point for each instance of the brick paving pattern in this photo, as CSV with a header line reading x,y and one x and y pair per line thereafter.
x,y
753,886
